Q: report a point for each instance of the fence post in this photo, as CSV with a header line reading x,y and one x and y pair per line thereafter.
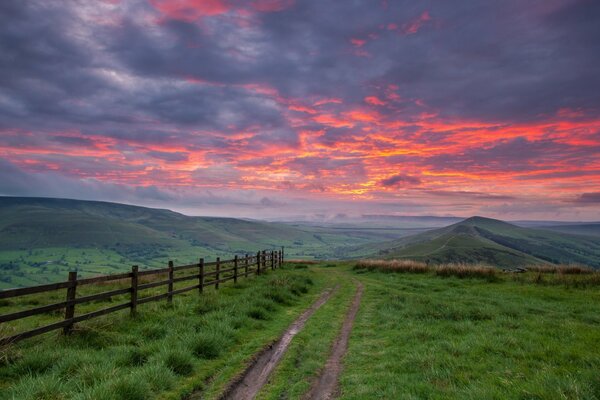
x,y
70,308
264,259
246,266
201,275
134,289
272,259
217,275
281,254
170,287
235,268
258,263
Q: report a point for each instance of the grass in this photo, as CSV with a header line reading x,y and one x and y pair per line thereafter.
x,y
310,349
453,331
422,336
566,275
167,351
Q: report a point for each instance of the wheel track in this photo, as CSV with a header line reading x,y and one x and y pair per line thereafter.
x,y
249,383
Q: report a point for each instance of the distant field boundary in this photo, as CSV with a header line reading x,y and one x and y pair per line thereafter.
x,y
236,267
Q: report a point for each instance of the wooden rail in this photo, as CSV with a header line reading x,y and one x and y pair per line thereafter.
x,y
235,268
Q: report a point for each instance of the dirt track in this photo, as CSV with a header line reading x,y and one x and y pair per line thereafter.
x,y
326,386
257,374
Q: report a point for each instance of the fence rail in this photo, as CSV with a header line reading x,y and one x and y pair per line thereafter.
x,y
235,268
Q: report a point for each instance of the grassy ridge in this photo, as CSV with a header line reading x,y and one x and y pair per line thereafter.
x,y
198,343
493,242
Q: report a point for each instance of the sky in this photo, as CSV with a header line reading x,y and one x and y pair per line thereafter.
x,y
305,108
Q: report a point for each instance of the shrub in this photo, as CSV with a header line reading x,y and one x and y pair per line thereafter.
x,y
467,271
570,269
393,266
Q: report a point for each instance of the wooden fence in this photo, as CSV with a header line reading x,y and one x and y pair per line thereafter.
x,y
205,273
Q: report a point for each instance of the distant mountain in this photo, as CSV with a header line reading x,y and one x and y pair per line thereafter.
x,y
586,229
479,239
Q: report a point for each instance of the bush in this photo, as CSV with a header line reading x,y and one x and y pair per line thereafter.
x,y
571,269
410,266
467,271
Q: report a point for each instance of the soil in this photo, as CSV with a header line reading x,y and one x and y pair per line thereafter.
x,y
257,373
326,386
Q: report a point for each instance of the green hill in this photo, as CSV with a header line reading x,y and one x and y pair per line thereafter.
x,y
41,238
479,239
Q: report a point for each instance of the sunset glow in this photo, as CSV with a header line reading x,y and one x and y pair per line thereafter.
x,y
281,108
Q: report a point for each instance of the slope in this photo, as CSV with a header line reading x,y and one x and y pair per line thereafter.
x,y
479,239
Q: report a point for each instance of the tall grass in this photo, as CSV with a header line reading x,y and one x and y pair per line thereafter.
x,y
467,271
571,275
570,269
393,266
418,267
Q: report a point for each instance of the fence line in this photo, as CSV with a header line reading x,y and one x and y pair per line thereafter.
x,y
256,264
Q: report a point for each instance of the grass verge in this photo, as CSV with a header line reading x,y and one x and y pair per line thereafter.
x,y
167,351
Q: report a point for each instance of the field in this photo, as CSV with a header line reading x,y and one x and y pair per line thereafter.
x,y
42,239
416,335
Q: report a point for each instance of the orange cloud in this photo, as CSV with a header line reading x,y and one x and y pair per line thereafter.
x,y
375,101
190,10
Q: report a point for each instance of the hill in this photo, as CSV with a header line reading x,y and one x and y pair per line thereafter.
x,y
479,239
42,238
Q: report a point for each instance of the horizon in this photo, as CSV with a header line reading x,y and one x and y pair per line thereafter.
x,y
316,218
284,109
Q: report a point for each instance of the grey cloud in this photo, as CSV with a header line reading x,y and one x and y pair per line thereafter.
x,y
400,180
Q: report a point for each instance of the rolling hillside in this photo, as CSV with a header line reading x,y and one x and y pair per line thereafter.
x,y
42,238
492,241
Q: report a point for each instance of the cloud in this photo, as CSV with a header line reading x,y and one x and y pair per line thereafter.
x,y
478,103
588,198
400,180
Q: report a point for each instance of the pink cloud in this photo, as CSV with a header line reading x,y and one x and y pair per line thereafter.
x,y
375,101
415,25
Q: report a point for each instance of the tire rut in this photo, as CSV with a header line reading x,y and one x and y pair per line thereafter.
x,y
257,373
326,386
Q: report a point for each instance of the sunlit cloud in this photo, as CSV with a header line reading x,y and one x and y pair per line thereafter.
x,y
265,105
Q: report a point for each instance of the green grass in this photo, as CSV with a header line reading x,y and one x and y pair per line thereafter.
x,y
308,352
167,351
423,336
455,335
